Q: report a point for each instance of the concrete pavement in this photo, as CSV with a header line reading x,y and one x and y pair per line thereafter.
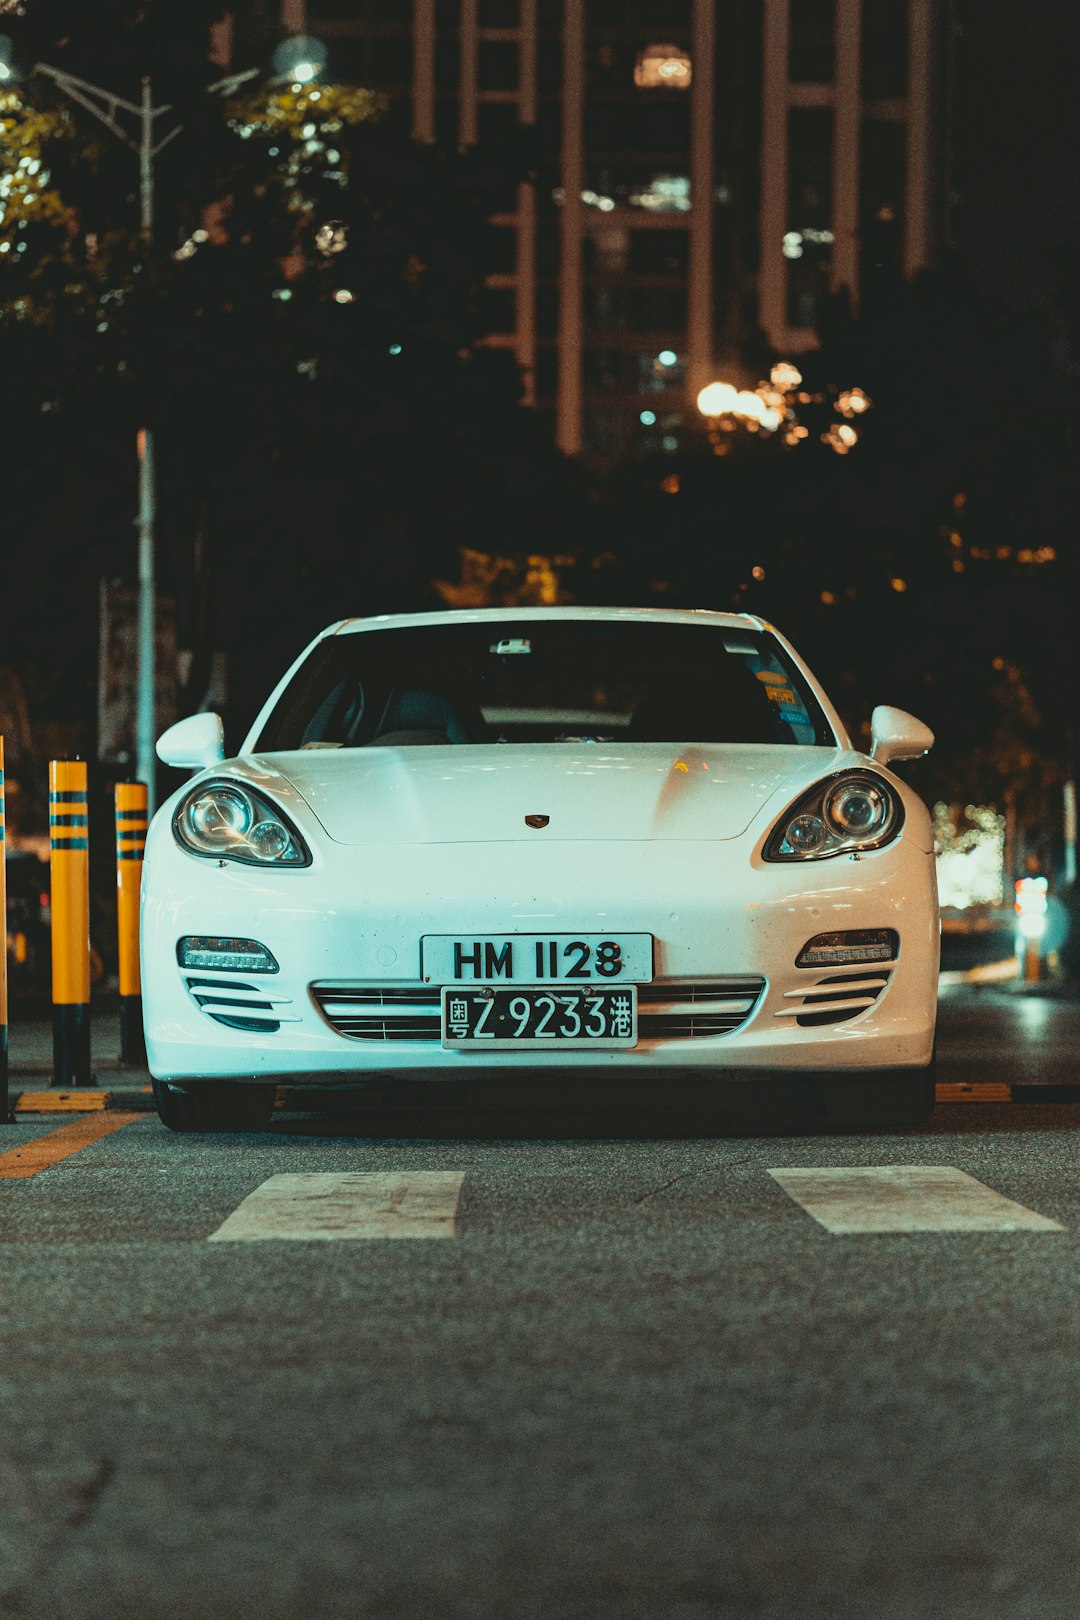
x,y
637,1381
634,1377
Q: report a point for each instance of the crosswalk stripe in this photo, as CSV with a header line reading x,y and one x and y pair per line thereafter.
x,y
44,1151
906,1198
347,1204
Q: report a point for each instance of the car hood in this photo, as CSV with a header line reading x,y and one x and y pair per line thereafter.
x,y
606,792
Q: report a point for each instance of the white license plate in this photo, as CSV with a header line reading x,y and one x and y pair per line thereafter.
x,y
536,958
500,1020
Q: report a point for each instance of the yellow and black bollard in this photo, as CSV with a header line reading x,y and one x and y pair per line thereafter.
x,y
131,817
70,865
3,953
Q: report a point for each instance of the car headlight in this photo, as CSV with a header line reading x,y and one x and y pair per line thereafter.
x,y
844,815
230,821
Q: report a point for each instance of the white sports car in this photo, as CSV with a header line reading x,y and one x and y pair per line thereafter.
x,y
562,840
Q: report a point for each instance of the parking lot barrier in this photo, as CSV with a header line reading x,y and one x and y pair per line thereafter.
x,y
70,866
131,817
4,1108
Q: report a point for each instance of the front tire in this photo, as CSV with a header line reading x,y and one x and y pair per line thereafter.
x,y
215,1105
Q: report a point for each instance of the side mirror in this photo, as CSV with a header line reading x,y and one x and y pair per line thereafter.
x,y
192,743
895,734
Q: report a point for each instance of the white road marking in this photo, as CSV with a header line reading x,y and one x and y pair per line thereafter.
x,y
347,1204
906,1198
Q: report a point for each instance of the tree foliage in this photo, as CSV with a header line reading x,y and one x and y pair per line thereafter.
x,y
303,335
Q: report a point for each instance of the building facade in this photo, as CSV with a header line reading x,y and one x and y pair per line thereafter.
x,y
707,177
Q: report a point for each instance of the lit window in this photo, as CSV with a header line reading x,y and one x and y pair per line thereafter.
x,y
665,193
663,67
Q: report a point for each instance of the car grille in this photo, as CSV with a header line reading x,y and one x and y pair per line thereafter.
x,y
675,1010
834,998
375,1012
669,1010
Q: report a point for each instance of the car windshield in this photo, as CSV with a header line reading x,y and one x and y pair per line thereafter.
x,y
546,680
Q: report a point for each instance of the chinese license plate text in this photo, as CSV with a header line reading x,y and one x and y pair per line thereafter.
x,y
502,1019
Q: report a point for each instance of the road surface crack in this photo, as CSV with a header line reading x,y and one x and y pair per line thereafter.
x,y
84,1492
654,1192
39,1507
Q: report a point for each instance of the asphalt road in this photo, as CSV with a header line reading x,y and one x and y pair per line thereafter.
x,y
629,1377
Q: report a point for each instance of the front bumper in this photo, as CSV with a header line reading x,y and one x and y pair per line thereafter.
x,y
716,912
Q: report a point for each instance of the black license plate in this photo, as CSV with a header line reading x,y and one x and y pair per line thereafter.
x,y
495,1020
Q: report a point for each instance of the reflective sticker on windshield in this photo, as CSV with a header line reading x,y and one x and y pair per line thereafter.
x,y
790,707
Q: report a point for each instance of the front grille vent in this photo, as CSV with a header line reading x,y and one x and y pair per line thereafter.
x,y
668,1010
673,1011
835,997
238,1004
376,1012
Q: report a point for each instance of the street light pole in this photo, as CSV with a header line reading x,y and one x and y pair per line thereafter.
x,y
145,708
106,107
145,682
146,161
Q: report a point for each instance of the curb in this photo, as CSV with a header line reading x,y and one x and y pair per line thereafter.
x,y
999,973
27,1104
1005,977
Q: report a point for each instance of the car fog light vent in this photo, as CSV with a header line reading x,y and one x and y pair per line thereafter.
x,y
224,954
849,945
243,1005
260,1026
833,998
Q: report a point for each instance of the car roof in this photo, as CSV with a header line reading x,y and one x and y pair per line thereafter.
x,y
499,615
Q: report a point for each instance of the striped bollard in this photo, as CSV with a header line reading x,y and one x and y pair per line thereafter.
x,y
70,866
3,954
131,818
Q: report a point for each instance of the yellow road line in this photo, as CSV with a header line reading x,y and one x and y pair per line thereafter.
x,y
61,1102
45,1151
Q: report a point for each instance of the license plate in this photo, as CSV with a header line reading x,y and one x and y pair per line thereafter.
x,y
500,1020
534,959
